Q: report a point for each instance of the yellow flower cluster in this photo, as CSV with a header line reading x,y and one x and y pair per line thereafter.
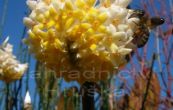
x,y
10,68
78,39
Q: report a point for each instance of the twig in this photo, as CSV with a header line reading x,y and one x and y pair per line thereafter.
x,y
5,7
159,59
7,97
148,83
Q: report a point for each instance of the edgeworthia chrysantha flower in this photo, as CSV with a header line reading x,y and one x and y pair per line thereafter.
x,y
10,68
78,39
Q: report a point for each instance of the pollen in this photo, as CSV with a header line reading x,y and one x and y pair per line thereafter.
x,y
93,47
115,22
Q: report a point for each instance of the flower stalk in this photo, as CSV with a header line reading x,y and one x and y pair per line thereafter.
x,y
88,89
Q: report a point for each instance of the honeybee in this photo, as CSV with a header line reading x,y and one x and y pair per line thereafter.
x,y
141,35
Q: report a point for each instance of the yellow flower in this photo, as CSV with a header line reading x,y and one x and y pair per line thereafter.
x,y
79,40
10,68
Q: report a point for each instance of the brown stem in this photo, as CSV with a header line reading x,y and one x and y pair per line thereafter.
x,y
148,83
87,91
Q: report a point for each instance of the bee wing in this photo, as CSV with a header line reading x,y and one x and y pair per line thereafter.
x,y
137,14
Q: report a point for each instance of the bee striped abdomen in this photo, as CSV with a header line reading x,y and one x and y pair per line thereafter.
x,y
141,36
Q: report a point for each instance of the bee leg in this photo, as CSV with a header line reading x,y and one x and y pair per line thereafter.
x,y
129,56
128,7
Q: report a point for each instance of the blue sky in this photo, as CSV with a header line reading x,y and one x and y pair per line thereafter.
x,y
13,25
